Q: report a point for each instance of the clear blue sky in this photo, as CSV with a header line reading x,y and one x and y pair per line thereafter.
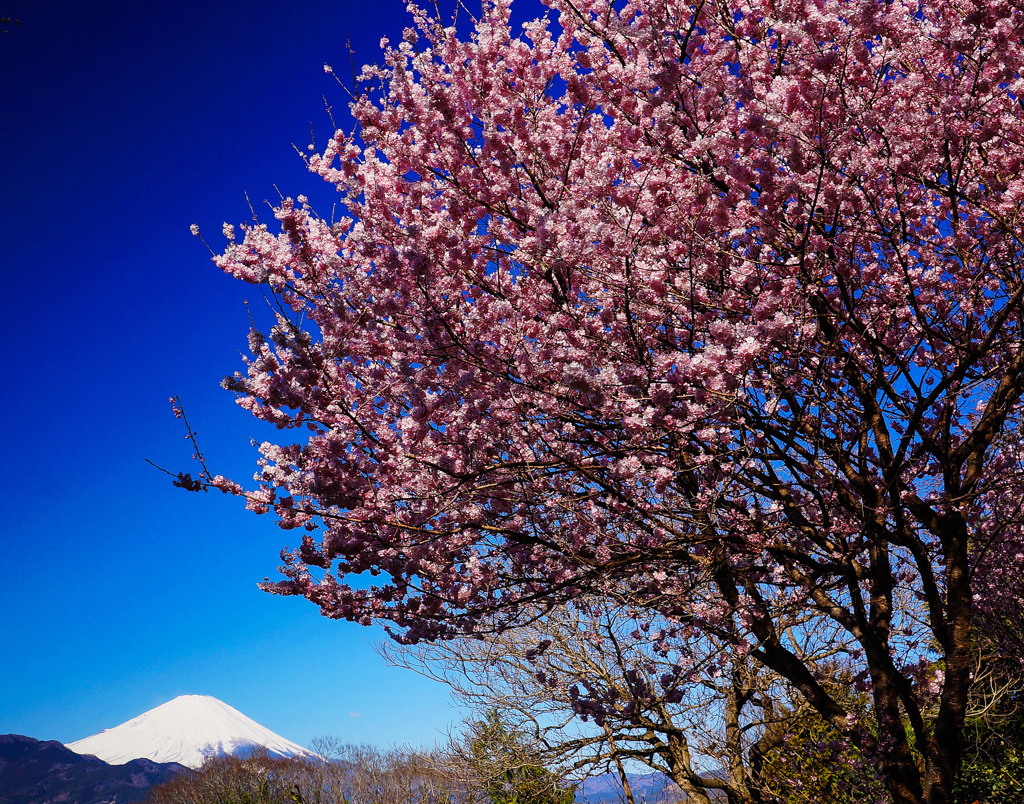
x,y
123,123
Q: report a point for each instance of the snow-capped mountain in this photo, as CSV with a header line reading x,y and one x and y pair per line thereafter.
x,y
186,730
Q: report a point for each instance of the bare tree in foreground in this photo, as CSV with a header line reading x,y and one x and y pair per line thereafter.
x,y
489,765
597,690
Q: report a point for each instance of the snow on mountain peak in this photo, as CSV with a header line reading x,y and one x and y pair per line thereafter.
x,y
187,730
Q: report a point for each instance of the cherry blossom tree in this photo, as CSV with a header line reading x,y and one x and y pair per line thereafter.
x,y
658,295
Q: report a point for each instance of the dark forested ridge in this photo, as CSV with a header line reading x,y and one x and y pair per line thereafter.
x,y
40,772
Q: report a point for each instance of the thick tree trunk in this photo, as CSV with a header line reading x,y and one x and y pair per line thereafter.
x,y
682,772
899,770
945,746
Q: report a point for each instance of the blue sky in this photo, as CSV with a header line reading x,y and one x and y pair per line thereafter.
x,y
124,122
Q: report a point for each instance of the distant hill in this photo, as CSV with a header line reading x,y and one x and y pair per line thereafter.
x,y
37,772
648,788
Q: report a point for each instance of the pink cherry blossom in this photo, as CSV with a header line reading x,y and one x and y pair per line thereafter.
x,y
656,295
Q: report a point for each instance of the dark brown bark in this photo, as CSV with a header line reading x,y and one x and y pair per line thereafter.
x,y
945,746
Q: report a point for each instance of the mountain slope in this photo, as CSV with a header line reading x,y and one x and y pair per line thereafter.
x,y
186,730
648,788
37,772
607,788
